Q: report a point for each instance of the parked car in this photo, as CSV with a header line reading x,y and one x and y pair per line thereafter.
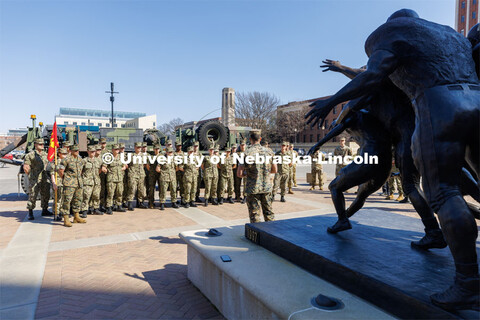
x,y
301,152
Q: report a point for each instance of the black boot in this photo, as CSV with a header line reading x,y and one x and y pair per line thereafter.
x,y
83,214
103,209
162,206
109,210
58,218
46,213
120,208
90,210
192,204
340,225
463,294
130,206
124,205
30,215
244,200
206,203
230,200
175,205
182,201
197,199
97,212
215,202
220,200
282,199
431,239
186,205
141,205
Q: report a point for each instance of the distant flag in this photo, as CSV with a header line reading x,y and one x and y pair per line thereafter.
x,y
53,143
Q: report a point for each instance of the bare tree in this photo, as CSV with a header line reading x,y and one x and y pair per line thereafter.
x,y
168,128
291,123
257,110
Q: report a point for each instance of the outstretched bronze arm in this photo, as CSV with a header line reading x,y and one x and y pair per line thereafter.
x,y
380,65
336,66
338,129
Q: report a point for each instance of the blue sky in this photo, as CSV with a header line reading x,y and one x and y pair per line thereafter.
x,y
172,58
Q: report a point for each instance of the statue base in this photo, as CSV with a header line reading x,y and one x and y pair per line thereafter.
x,y
374,260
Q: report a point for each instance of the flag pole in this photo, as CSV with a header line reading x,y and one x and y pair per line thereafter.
x,y
56,180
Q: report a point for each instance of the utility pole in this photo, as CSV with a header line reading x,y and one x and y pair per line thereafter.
x,y
112,98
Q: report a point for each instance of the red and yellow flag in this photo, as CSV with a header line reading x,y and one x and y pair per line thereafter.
x,y
53,143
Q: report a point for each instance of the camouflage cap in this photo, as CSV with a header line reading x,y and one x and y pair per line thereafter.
x,y
144,144
190,149
196,144
285,143
169,149
98,147
234,146
343,138
228,150
103,140
168,141
91,148
67,144
115,146
243,142
156,146
291,145
121,145
212,147
39,141
61,167
63,150
74,147
138,144
216,149
178,145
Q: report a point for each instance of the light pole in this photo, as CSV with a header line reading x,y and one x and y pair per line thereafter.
x,y
295,135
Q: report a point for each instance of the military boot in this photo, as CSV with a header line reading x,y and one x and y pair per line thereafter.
x,y
130,205
124,205
312,188
463,294
400,198
150,205
97,212
186,205
244,200
432,239
90,210
206,203
58,218
66,221
220,200
45,213
103,209
120,208
83,214
162,206
405,200
30,214
282,199
390,197
77,219
175,205
215,202
290,191
321,188
230,200
197,199
109,210
192,204
182,201
142,205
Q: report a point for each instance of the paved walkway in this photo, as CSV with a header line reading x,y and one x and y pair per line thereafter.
x,y
125,266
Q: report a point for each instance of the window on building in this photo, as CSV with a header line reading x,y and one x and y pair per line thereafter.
x,y
114,125
83,123
311,138
463,19
319,126
123,126
463,4
304,138
318,137
326,124
65,122
474,15
74,123
474,1
335,110
99,124
107,125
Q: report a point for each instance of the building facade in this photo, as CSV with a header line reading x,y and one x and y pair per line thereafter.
x,y
466,15
102,118
307,133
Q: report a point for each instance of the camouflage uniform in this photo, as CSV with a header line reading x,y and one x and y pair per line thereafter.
x,y
59,180
90,177
37,179
97,188
292,181
179,177
226,178
259,186
339,151
317,170
125,178
393,180
239,181
210,178
153,179
136,179
282,175
72,185
103,179
190,175
114,182
168,180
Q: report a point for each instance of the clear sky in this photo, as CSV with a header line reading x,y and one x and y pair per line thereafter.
x,y
172,58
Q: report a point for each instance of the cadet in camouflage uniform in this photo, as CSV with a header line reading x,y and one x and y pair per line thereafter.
x,y
168,180
196,152
72,187
259,184
153,178
125,177
58,185
226,178
179,173
190,175
393,180
114,181
343,151
90,177
238,182
95,199
35,165
103,177
210,177
136,179
292,182
281,177
317,170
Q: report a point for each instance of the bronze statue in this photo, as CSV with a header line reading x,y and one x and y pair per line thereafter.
x,y
432,64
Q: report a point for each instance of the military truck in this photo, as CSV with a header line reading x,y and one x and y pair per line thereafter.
x,y
208,132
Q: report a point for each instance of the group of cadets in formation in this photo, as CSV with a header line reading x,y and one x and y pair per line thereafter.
x,y
91,186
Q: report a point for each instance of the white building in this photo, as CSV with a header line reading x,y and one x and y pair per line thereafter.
x,y
102,118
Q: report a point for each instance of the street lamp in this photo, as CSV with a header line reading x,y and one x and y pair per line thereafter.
x,y
295,135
